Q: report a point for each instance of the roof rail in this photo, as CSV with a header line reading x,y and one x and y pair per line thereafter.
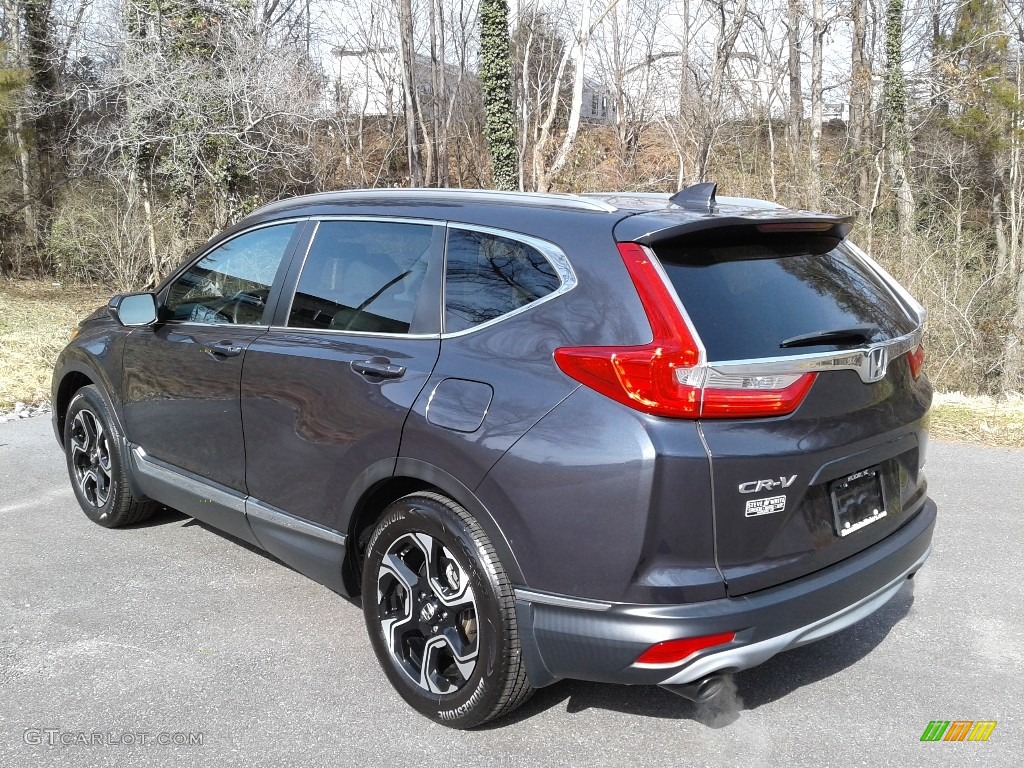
x,y
574,202
697,197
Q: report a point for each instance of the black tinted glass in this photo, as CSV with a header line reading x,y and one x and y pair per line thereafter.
x,y
231,283
489,276
362,276
747,298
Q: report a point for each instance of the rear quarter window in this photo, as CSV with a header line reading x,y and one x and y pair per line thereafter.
x,y
746,297
488,276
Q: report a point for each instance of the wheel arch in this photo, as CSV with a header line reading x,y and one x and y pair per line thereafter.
x,y
376,490
75,369
72,381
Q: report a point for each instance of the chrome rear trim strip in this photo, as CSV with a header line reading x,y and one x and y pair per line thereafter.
x,y
870,362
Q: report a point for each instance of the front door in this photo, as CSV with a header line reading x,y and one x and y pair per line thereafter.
x,y
182,376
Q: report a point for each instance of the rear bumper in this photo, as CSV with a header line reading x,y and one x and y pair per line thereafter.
x,y
565,637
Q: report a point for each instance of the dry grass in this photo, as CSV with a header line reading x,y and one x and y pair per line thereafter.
x,y
36,320
978,420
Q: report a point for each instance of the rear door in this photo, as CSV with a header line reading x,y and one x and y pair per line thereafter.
x,y
796,493
326,391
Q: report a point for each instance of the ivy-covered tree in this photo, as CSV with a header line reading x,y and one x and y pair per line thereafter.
x,y
495,77
894,108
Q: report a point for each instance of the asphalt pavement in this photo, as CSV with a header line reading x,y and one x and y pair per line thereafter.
x,y
168,644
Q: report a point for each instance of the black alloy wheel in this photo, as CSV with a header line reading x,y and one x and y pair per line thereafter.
x,y
441,613
94,449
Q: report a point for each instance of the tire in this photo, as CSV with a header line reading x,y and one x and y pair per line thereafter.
x,y
93,447
441,613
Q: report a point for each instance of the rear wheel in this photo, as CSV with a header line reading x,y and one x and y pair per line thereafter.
x,y
441,613
92,444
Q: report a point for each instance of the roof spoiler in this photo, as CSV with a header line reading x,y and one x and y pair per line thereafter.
x,y
704,214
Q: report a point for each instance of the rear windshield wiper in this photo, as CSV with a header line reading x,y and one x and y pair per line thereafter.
x,y
858,334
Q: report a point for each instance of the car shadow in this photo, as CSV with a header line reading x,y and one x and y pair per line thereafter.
x,y
747,690
167,516
164,516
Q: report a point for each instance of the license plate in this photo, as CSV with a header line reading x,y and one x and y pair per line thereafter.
x,y
858,500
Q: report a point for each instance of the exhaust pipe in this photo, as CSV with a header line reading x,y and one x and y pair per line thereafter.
x,y
699,691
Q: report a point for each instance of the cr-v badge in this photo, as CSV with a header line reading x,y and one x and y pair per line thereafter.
x,y
756,486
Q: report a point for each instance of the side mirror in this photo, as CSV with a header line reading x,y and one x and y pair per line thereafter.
x,y
133,309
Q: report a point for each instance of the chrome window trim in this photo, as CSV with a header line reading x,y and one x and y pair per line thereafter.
x,y
551,253
336,332
280,518
193,324
305,258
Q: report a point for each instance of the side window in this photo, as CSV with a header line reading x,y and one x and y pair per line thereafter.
x,y
489,276
362,276
230,285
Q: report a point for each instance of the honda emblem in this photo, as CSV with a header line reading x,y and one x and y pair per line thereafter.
x,y
877,360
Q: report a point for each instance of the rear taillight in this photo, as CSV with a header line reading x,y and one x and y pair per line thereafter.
x,y
667,377
915,359
673,652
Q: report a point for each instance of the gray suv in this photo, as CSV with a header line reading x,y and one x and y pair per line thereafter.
x,y
618,437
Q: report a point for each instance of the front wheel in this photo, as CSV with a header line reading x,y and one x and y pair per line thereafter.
x,y
441,613
92,443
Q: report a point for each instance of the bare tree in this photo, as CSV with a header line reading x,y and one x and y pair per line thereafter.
x,y
413,113
545,167
818,30
796,94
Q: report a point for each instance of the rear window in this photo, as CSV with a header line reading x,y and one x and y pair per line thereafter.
x,y
746,298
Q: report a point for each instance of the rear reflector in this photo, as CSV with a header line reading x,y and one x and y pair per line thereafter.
x,y
667,377
677,651
752,401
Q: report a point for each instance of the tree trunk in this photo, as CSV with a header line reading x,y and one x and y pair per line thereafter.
x,y
1013,358
26,169
796,97
860,103
19,130
684,95
441,116
408,64
41,58
817,97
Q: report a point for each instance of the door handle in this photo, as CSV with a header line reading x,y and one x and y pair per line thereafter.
x,y
225,349
378,366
